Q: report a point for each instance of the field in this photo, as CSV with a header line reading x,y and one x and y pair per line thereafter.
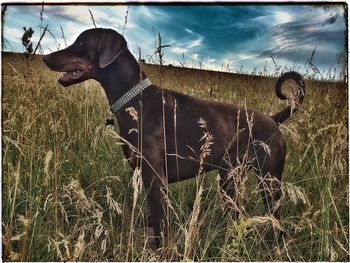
x,y
68,193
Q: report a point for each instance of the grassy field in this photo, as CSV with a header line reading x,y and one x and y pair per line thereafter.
x,y
67,192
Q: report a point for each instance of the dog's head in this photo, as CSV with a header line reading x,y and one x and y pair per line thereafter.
x,y
93,50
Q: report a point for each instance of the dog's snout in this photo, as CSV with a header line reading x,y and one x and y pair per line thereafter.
x,y
46,58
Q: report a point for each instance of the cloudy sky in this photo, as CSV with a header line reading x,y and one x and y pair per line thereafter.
x,y
218,37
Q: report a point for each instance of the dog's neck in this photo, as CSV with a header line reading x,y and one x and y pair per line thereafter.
x,y
119,77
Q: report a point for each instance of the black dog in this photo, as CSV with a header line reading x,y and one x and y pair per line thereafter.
x,y
170,152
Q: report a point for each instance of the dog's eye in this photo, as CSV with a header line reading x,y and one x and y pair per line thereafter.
x,y
80,44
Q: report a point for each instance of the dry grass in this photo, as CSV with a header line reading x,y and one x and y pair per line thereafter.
x,y
68,193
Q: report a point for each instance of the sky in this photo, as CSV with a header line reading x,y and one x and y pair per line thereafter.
x,y
235,38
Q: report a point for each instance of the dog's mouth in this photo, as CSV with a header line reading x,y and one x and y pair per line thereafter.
x,y
72,77
74,69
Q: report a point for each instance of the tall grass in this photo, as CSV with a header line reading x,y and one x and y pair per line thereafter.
x,y
68,193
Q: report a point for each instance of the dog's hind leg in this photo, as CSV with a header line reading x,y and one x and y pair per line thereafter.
x,y
269,168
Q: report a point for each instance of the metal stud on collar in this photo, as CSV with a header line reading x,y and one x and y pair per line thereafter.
x,y
130,95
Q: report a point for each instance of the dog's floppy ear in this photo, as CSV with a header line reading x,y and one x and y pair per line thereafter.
x,y
110,47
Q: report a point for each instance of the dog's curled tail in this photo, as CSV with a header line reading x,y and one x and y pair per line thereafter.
x,y
298,99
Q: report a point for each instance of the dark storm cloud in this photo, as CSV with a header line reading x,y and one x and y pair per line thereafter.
x,y
331,19
295,40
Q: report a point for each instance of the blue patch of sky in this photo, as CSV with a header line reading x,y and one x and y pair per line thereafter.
x,y
219,36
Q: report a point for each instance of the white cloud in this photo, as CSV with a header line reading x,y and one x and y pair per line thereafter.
x,y
112,17
189,31
195,43
78,14
144,11
151,13
195,56
179,50
13,34
211,60
116,18
282,17
245,56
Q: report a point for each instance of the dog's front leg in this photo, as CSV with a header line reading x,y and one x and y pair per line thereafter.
x,y
155,187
